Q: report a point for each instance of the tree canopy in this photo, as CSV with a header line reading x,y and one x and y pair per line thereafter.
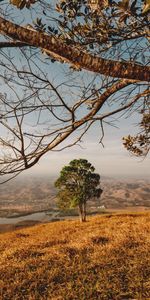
x,y
65,65
77,184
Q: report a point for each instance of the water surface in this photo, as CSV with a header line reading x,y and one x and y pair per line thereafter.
x,y
39,216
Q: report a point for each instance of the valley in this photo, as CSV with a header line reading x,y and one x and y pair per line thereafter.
x,y
36,194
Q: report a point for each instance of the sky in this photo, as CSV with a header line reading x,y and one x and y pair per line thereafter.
x,y
112,161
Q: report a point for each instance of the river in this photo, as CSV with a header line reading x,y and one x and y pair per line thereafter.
x,y
39,216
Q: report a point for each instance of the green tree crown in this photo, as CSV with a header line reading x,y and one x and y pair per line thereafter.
x,y
77,184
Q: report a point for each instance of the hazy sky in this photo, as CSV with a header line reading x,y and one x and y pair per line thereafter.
x,y
112,160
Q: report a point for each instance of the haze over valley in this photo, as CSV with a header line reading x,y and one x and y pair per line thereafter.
x,y
33,194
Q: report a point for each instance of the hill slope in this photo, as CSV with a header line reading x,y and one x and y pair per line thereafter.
x,y
108,257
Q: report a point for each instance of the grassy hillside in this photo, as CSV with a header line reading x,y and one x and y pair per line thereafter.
x,y
106,258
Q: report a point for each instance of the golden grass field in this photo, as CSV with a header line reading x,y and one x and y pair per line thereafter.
x,y
107,257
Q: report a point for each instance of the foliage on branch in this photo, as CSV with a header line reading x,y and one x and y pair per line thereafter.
x,y
139,145
23,3
100,25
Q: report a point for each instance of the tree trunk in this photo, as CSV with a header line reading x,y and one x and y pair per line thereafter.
x,y
84,212
80,212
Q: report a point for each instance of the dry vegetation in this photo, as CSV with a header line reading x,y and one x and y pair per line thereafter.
x,y
106,258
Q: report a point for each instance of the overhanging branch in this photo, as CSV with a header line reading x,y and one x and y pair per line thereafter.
x,y
100,101
127,70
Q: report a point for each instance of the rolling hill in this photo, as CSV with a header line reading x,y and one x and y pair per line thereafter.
x,y
32,194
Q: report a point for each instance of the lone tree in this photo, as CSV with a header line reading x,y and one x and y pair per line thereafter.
x,y
66,65
77,184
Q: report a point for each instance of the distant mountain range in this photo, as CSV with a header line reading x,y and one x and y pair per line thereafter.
x,y
125,193
35,194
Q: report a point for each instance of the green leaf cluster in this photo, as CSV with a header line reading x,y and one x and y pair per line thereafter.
x,y
77,184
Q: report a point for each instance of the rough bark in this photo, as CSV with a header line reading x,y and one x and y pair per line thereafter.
x,y
128,70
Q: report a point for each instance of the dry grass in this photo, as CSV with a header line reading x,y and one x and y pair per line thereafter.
x,y
106,258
